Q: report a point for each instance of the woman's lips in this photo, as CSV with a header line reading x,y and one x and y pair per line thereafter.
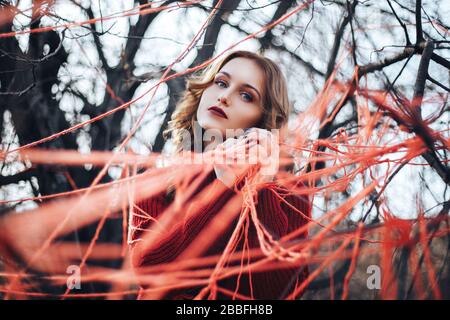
x,y
218,112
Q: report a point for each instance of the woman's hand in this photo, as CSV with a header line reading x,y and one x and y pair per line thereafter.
x,y
256,146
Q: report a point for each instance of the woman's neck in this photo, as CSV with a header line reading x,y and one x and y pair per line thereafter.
x,y
210,145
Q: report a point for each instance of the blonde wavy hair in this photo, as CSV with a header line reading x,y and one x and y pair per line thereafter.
x,y
275,97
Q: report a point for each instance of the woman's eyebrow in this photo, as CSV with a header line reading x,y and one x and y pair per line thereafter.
x,y
245,84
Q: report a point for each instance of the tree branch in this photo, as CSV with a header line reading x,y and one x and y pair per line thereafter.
x,y
176,86
282,48
213,29
337,40
422,73
350,13
419,88
438,83
21,176
136,33
88,108
371,67
438,59
97,42
282,9
408,42
419,32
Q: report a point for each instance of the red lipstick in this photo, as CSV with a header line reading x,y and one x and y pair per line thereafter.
x,y
218,111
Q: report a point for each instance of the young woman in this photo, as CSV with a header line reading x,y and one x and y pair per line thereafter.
x,y
242,91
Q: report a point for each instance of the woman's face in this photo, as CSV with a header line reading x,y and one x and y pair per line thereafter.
x,y
237,90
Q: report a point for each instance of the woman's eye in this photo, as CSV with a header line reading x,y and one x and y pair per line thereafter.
x,y
221,83
247,97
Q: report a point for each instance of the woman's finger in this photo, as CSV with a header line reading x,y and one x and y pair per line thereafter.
x,y
262,137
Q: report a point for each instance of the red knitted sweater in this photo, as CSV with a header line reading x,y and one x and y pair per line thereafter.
x,y
275,215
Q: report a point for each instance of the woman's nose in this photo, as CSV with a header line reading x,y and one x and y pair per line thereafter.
x,y
223,100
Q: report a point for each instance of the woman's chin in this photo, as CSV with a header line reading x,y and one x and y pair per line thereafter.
x,y
212,125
